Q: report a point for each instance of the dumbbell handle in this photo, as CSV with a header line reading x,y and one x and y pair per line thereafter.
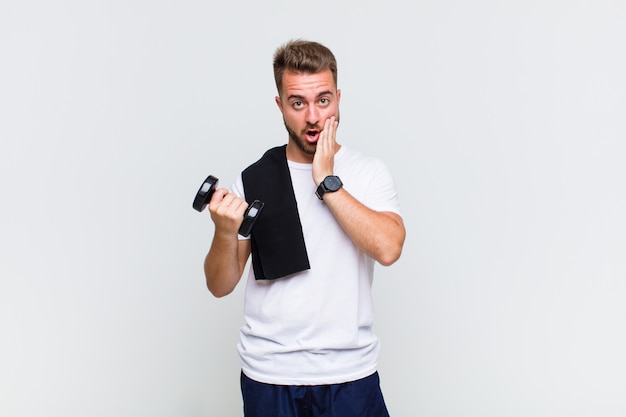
x,y
204,194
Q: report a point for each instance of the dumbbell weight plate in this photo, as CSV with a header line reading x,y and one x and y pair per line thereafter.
x,y
205,192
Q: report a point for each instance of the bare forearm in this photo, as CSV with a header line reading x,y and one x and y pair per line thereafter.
x,y
227,256
379,234
222,266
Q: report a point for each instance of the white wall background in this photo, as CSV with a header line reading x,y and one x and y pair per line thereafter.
x,y
503,122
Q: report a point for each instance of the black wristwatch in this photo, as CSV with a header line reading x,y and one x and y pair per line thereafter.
x,y
330,184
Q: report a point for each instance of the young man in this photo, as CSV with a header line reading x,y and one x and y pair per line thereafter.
x,y
307,348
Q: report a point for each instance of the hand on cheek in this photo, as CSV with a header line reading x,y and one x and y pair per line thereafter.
x,y
323,161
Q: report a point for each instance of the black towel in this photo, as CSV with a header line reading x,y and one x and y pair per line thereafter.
x,y
278,247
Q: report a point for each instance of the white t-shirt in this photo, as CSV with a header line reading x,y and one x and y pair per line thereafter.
x,y
315,327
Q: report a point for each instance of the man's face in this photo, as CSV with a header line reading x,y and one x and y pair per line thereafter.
x,y
306,101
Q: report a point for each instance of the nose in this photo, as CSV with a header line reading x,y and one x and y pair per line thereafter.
x,y
312,115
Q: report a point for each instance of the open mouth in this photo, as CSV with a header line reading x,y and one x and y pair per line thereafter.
x,y
312,135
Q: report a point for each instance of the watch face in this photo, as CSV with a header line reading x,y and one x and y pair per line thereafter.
x,y
332,183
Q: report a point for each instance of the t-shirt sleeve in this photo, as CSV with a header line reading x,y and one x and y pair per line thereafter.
x,y
382,194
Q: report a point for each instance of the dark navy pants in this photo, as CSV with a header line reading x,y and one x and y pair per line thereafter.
x,y
360,398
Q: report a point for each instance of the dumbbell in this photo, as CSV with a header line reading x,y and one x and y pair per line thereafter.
x,y
204,194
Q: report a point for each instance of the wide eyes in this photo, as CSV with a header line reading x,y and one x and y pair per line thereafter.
x,y
322,102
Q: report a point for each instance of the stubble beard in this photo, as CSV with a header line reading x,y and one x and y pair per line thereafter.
x,y
306,147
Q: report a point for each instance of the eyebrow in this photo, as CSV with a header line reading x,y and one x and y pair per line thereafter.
x,y
300,97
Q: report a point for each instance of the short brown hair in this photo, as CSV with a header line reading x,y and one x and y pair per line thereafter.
x,y
303,56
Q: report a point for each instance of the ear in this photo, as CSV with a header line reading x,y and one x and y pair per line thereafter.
x,y
279,103
338,96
